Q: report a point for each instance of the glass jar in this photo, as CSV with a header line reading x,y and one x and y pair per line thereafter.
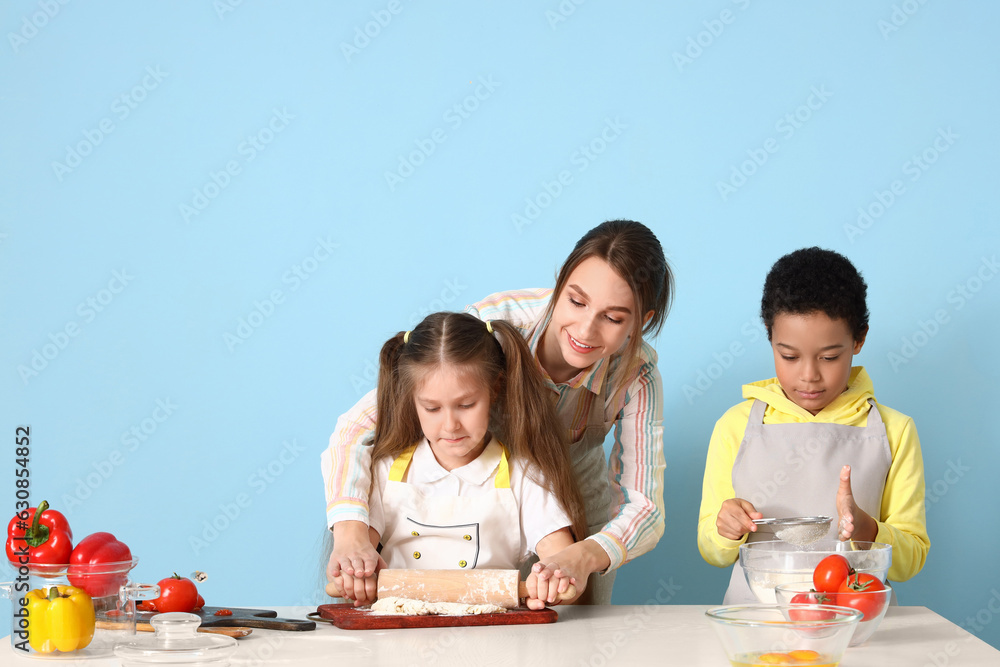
x,y
73,611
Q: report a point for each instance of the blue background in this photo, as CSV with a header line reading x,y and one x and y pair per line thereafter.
x,y
229,161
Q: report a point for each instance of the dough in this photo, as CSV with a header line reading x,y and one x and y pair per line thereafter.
x,y
407,607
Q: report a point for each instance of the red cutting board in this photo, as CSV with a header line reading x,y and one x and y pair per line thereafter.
x,y
349,617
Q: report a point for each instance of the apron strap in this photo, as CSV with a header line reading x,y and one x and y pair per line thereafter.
x,y
502,480
400,465
402,462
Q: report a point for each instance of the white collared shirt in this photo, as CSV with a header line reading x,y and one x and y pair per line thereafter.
x,y
539,510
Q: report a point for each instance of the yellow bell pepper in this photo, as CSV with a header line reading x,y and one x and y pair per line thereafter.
x,y
60,619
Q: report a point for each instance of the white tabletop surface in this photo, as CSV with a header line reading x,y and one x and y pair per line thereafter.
x,y
583,636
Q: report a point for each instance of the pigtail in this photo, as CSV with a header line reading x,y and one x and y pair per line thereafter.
x,y
530,425
397,426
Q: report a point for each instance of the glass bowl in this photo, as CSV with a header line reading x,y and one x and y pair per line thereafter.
x,y
771,563
874,600
790,635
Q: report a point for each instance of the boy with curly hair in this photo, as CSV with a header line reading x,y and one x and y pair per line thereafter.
x,y
813,440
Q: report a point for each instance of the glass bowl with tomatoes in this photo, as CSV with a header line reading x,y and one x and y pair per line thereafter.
x,y
791,635
866,596
768,564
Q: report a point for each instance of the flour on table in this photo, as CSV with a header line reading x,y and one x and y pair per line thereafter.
x,y
406,607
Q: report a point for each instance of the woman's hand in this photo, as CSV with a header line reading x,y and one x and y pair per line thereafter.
x,y
353,551
572,564
736,519
547,582
354,563
853,522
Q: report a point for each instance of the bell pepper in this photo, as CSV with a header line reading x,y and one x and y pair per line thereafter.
x,y
60,619
92,564
39,535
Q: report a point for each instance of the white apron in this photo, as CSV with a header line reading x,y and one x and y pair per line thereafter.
x,y
450,532
789,470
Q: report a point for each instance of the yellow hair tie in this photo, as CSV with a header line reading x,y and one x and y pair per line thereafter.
x,y
406,338
489,327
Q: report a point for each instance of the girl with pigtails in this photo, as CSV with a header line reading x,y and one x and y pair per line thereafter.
x,y
470,469
588,337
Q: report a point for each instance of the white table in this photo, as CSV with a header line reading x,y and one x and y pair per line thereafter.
x,y
583,636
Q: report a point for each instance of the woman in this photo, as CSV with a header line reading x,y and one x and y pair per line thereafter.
x,y
587,336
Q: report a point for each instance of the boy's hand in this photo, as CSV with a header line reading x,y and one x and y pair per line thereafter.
x,y
545,583
736,519
853,522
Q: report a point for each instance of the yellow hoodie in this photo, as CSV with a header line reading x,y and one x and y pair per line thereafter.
x,y
903,522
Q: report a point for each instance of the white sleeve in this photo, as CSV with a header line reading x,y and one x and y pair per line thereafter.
x,y
540,511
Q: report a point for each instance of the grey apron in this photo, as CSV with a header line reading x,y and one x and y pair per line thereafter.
x,y
790,470
590,466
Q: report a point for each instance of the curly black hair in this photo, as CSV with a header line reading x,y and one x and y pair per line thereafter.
x,y
816,280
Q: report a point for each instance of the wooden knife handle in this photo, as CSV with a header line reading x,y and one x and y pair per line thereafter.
x,y
146,627
522,591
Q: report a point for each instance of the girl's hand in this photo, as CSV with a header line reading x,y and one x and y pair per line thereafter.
x,y
360,590
736,519
853,522
545,584
353,551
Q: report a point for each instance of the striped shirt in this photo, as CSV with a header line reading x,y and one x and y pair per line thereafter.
x,y
636,464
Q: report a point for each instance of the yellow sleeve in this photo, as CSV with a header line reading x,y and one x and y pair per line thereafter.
x,y
717,486
903,523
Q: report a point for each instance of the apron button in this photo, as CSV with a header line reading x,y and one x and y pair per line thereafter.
x,y
416,554
414,533
462,563
467,537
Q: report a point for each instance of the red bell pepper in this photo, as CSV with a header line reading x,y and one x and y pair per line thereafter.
x,y
41,534
100,564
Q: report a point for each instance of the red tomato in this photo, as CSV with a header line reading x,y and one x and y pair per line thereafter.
x,y
199,604
861,591
812,597
176,594
830,572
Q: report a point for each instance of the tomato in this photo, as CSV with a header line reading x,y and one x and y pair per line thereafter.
x,y
830,572
812,597
199,604
862,592
176,594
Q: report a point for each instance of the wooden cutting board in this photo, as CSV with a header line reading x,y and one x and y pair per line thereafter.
x,y
245,618
349,617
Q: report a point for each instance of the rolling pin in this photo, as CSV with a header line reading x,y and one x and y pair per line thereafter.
x,y
500,587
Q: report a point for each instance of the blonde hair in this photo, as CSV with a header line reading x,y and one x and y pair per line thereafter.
x,y
522,412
